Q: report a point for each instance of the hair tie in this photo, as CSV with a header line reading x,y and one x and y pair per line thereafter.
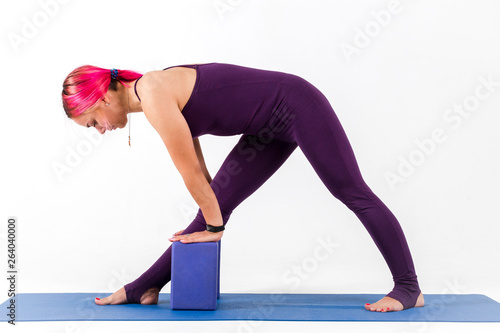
x,y
114,74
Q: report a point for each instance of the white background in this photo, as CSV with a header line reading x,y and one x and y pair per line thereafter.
x,y
103,222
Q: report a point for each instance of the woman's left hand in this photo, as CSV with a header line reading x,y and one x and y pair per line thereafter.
x,y
197,237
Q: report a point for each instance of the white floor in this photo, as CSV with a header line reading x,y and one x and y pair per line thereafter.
x,y
239,327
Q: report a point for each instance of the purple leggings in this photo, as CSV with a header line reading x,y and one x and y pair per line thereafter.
x,y
312,125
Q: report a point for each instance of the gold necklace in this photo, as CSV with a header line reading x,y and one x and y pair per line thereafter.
x,y
129,118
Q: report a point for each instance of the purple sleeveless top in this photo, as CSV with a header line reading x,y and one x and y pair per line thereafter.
x,y
230,99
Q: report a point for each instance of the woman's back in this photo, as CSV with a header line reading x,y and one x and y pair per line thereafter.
x,y
230,99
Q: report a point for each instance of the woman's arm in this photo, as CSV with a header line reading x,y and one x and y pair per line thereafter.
x,y
163,113
201,160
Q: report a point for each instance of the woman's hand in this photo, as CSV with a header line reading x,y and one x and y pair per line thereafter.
x,y
197,237
179,232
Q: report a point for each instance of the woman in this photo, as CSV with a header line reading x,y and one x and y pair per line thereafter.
x,y
275,112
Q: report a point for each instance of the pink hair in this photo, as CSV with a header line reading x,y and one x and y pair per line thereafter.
x,y
86,85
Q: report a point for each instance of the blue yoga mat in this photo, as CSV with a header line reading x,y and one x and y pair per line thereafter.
x,y
276,307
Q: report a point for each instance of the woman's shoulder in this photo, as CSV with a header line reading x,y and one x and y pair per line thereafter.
x,y
175,84
157,82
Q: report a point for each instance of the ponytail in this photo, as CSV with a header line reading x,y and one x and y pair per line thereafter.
x,y
86,85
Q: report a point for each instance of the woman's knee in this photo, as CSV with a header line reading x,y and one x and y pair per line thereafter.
x,y
356,196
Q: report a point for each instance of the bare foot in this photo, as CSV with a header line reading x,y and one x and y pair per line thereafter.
x,y
390,304
149,297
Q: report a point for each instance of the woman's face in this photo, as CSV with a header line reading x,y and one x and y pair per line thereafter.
x,y
104,117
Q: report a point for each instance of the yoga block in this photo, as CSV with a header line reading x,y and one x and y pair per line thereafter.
x,y
195,271
218,270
